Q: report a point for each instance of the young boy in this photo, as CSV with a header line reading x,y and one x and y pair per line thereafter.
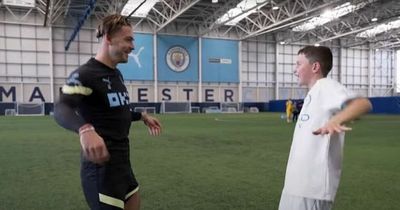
x,y
315,160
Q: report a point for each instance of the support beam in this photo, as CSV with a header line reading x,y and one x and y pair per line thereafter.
x,y
355,31
176,15
285,20
82,20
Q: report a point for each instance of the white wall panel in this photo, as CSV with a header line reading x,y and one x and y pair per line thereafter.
x,y
2,56
72,59
12,31
42,33
43,70
271,48
58,34
252,67
261,57
261,47
2,29
261,67
85,48
261,77
252,56
2,43
13,44
28,32
252,46
287,49
83,59
3,70
42,45
28,57
73,47
59,59
14,69
244,67
29,70
13,57
43,57
252,76
58,46
28,44
59,71
85,35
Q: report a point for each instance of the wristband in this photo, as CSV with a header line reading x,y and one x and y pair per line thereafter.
x,y
86,128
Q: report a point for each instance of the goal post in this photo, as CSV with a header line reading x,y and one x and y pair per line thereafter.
x,y
231,107
29,109
168,107
149,109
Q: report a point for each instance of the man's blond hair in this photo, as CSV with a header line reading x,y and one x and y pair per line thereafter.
x,y
111,24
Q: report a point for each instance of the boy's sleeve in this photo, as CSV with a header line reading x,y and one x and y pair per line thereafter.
x,y
338,95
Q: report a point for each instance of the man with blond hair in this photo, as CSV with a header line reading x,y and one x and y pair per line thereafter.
x,y
95,103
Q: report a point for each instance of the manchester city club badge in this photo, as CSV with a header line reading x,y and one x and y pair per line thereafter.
x,y
178,58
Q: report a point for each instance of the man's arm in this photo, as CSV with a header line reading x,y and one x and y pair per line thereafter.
x,y
65,114
354,109
152,123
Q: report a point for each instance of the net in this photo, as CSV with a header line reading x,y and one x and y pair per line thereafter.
x,y
175,107
151,109
29,109
231,107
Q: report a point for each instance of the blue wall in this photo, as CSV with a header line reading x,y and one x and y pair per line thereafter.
x,y
381,105
191,45
386,105
220,60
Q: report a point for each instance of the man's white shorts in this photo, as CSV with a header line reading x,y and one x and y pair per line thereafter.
x,y
290,202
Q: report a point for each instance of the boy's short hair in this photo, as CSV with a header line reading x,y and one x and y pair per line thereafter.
x,y
320,54
111,24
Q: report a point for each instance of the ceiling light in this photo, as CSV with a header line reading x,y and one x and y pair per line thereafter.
x,y
142,11
329,15
275,8
241,11
374,19
380,29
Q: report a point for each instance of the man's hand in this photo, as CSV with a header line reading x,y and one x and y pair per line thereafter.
x,y
93,146
152,123
331,127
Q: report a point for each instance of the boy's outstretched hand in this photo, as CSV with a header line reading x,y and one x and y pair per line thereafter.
x,y
330,128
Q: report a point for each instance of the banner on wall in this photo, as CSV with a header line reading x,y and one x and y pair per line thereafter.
x,y
41,93
220,60
140,61
177,58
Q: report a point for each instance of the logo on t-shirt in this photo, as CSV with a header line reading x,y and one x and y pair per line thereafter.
x,y
118,99
108,82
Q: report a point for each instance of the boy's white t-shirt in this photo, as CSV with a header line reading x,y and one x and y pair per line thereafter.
x,y
315,161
